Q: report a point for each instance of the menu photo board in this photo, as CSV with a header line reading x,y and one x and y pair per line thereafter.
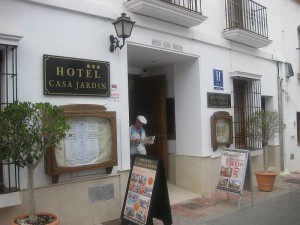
x,y
221,129
147,194
232,170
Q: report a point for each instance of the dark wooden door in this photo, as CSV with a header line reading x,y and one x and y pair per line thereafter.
x,y
148,98
235,11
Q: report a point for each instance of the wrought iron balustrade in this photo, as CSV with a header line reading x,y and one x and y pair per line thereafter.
x,y
247,15
192,5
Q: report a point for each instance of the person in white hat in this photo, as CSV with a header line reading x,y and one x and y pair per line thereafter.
x,y
137,137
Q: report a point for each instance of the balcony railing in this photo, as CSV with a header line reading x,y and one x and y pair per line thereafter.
x,y
247,15
193,5
186,13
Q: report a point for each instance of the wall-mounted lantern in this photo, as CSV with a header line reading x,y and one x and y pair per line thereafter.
x,y
123,27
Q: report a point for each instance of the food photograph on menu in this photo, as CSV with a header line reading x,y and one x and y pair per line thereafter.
x,y
232,171
140,189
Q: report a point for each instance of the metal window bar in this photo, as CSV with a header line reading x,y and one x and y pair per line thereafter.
x,y
192,5
247,100
10,172
247,15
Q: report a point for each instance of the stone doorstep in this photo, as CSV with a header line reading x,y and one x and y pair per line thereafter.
x,y
118,222
112,222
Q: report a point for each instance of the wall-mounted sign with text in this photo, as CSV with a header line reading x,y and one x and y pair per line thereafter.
x,y
167,45
217,100
218,79
72,76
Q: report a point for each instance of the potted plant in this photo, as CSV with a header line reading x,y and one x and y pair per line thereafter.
x,y
263,126
27,130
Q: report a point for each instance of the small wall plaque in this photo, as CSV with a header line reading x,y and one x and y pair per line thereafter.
x,y
217,100
101,193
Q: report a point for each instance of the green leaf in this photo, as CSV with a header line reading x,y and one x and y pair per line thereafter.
x,y
28,129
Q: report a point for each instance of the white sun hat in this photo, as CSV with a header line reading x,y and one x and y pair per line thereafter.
x,y
142,119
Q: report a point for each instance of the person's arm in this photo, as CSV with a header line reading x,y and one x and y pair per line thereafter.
x,y
133,139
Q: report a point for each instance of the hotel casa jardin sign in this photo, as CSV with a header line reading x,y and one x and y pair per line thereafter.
x,y
73,76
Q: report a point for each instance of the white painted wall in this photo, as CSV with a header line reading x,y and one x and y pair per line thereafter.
x,y
212,57
187,108
289,39
81,29
54,31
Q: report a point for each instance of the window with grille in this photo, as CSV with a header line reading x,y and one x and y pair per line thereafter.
x,y
9,172
247,100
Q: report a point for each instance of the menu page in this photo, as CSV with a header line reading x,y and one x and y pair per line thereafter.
x,y
87,142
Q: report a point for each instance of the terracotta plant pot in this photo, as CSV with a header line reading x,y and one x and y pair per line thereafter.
x,y
56,222
265,180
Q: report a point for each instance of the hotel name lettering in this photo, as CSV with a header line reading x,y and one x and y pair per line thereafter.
x,y
72,76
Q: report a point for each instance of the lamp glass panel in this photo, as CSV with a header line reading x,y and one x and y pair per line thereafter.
x,y
127,29
119,30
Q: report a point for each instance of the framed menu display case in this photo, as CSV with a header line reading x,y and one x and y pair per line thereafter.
x,y
221,129
91,142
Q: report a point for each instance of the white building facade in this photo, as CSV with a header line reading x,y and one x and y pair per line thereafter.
x,y
245,52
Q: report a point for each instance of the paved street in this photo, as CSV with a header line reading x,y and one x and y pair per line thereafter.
x,y
280,210
279,207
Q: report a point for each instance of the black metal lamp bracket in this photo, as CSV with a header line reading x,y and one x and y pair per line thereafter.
x,y
114,43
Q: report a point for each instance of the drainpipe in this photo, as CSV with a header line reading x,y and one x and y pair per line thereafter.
x,y
281,127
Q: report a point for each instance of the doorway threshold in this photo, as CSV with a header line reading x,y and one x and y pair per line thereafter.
x,y
178,194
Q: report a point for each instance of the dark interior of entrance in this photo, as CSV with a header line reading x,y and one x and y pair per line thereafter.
x,y
147,96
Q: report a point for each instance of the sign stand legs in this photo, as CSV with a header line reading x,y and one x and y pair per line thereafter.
x,y
251,184
240,201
